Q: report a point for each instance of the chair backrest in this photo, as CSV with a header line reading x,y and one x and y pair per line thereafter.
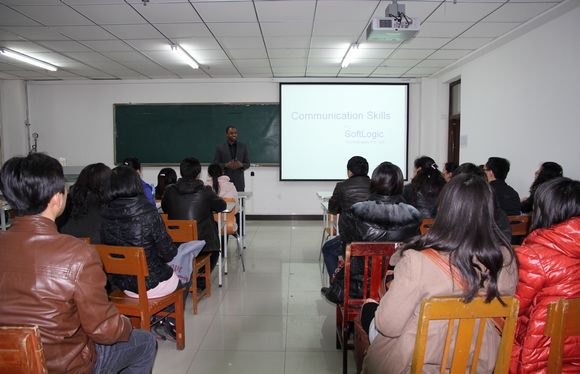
x,y
520,225
21,350
231,225
375,256
563,320
181,230
425,225
452,309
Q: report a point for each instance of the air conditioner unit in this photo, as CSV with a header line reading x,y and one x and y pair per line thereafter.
x,y
390,29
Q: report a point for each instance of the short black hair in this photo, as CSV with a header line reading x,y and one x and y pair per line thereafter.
x,y
28,183
132,162
125,182
499,166
358,166
189,167
230,127
556,201
387,180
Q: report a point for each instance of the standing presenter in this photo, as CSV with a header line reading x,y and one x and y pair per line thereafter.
x,y
233,157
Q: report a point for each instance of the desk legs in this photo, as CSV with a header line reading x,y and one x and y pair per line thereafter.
x,y
220,255
225,241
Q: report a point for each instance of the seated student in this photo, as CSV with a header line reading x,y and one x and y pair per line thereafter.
x,y
352,190
189,198
165,177
133,162
547,171
220,182
86,199
496,170
549,269
57,281
499,215
448,170
425,186
130,220
383,217
464,236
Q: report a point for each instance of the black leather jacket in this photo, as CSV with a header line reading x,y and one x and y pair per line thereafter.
x,y
381,218
190,199
135,222
352,190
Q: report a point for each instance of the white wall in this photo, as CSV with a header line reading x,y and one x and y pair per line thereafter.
x,y
74,121
13,118
521,101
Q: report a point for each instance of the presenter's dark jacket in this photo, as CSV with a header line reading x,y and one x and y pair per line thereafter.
x,y
223,155
190,199
57,282
507,197
135,222
352,190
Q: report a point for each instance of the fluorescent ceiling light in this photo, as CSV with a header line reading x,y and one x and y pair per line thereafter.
x,y
31,60
184,56
351,54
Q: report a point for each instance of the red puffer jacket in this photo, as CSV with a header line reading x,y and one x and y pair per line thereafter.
x,y
549,270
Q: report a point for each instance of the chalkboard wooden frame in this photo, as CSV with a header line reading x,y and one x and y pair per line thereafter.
x,y
165,133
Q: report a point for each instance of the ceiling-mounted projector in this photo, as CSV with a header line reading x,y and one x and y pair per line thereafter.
x,y
396,26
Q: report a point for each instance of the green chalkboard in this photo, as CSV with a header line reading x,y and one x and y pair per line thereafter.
x,y
167,133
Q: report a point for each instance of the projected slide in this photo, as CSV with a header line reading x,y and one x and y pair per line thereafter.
x,y
323,125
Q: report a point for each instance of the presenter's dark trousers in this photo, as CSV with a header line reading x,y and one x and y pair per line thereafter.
x,y
330,252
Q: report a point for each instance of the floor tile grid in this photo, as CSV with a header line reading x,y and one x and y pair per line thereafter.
x,y
308,335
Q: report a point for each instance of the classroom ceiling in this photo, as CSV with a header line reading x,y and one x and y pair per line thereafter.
x,y
130,39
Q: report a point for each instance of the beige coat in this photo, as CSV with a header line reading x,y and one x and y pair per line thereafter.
x,y
418,278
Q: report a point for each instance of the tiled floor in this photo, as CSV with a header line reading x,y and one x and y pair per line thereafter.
x,y
270,319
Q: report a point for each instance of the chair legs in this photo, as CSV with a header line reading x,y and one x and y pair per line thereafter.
x,y
240,250
201,269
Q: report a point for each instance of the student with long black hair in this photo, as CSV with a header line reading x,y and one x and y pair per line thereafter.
x,y
547,171
465,236
425,186
86,199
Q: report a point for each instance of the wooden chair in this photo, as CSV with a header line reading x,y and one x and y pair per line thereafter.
x,y
520,225
132,261
452,309
426,225
375,257
563,320
182,231
21,350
